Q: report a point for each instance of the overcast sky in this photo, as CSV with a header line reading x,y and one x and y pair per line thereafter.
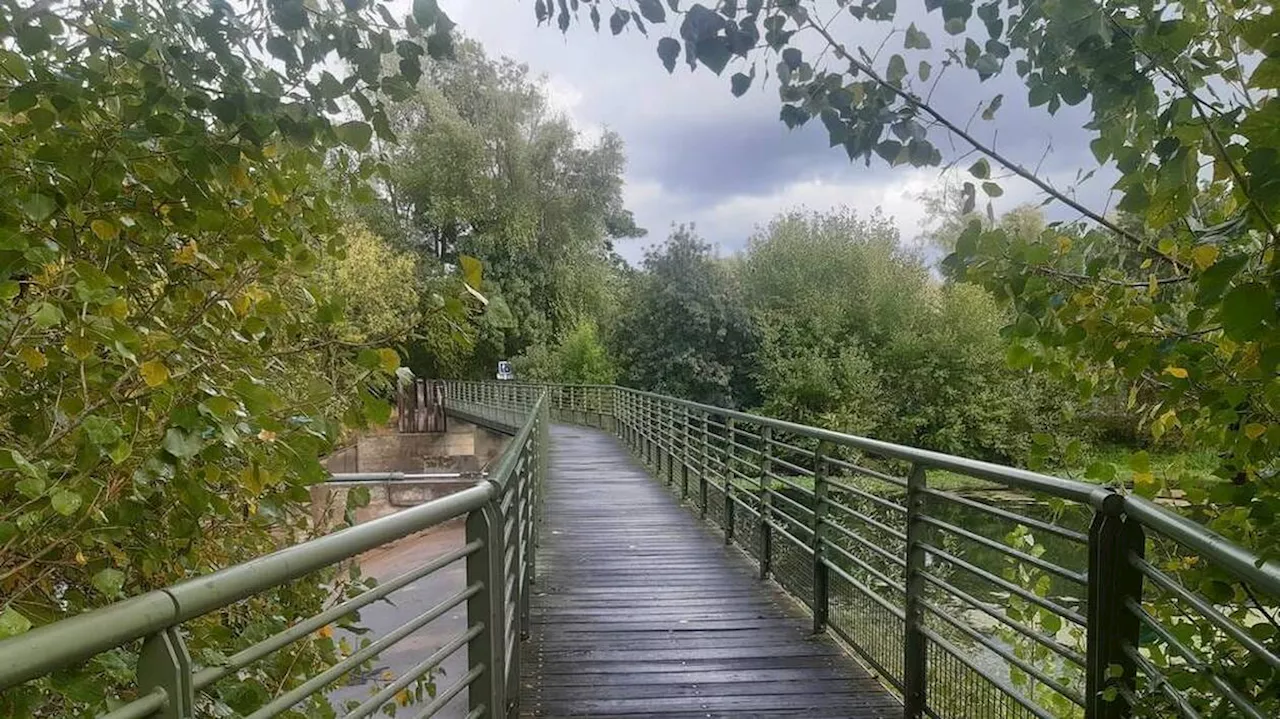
x,y
697,154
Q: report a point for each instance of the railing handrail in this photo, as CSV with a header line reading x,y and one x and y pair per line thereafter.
x,y
74,639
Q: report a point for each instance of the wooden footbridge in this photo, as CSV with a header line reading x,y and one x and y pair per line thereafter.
x,y
633,555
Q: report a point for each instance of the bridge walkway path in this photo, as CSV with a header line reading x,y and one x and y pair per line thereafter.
x,y
640,610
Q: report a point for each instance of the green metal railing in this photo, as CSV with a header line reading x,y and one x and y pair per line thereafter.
x,y
501,531
1026,595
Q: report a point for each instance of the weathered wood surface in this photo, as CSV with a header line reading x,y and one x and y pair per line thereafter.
x,y
640,610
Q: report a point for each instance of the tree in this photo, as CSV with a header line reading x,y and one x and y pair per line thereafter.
x,y
857,336
579,358
684,328
172,365
378,287
487,170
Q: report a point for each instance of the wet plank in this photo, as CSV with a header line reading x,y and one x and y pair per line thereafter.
x,y
641,611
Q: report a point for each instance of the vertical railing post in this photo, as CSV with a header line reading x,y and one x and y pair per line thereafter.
x,y
1112,582
165,664
668,439
727,464
684,452
914,657
766,502
484,567
648,430
821,583
702,468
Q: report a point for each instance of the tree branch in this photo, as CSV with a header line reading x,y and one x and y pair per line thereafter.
x,y
990,152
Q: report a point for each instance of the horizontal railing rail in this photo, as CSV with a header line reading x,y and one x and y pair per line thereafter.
x,y
976,590
500,534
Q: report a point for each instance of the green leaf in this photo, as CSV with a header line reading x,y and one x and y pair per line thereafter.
x,y
369,359
1267,74
1246,309
47,315
739,84
1101,472
37,206
980,169
424,12
13,623
30,487
619,19
992,189
924,70
109,582
1019,357
377,411
1215,280
916,39
652,10
1140,462
65,502
355,134
897,70
992,107
100,431
668,51
182,444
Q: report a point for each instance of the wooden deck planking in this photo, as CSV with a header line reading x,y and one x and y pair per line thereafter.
x,y
641,611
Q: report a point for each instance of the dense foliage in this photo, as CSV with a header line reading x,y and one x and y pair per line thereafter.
x,y
685,329
486,169
174,359
826,320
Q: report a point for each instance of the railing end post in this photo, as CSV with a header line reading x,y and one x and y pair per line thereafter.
x,y
1113,581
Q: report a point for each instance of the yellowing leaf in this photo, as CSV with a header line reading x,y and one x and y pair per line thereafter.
x,y
1253,430
1143,480
242,304
116,309
186,255
402,697
388,360
104,229
80,558
81,347
325,632
239,177
1178,372
267,435
472,270
34,358
154,373
1204,256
